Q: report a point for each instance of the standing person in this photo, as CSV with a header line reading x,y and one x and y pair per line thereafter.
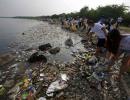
x,y
117,44
101,33
119,21
102,20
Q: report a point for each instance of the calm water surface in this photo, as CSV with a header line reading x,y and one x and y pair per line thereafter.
x,y
37,33
9,30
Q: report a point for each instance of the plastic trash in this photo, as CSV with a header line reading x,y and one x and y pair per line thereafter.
x,y
24,95
57,85
42,98
14,65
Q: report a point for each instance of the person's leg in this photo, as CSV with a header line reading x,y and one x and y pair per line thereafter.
x,y
108,54
98,50
100,45
125,66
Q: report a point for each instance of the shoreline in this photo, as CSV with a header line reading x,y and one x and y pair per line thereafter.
x,y
51,73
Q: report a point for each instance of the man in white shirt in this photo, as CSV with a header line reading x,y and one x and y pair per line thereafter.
x,y
101,33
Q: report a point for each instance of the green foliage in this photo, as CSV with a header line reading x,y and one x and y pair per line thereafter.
x,y
126,19
84,12
113,11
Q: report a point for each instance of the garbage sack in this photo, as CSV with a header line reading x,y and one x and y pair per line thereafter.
x,y
69,42
45,47
36,58
57,85
54,50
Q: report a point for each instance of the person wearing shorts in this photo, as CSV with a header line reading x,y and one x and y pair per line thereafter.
x,y
101,34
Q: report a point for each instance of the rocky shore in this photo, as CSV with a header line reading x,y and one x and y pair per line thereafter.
x,y
35,73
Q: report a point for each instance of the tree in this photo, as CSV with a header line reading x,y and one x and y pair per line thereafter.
x,y
84,12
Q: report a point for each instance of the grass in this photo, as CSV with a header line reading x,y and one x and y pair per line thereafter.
x,y
125,29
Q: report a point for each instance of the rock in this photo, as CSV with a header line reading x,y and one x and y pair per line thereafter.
x,y
45,47
69,42
9,83
23,33
37,58
92,60
55,50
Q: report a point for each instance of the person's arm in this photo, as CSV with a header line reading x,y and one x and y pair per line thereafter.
x,y
88,31
104,30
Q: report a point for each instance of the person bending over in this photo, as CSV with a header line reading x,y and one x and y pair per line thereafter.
x,y
116,45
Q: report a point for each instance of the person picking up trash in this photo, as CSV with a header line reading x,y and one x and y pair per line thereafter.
x,y
101,34
116,45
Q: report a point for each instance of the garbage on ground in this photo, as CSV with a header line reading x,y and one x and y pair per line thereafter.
x,y
9,83
87,77
42,98
57,85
